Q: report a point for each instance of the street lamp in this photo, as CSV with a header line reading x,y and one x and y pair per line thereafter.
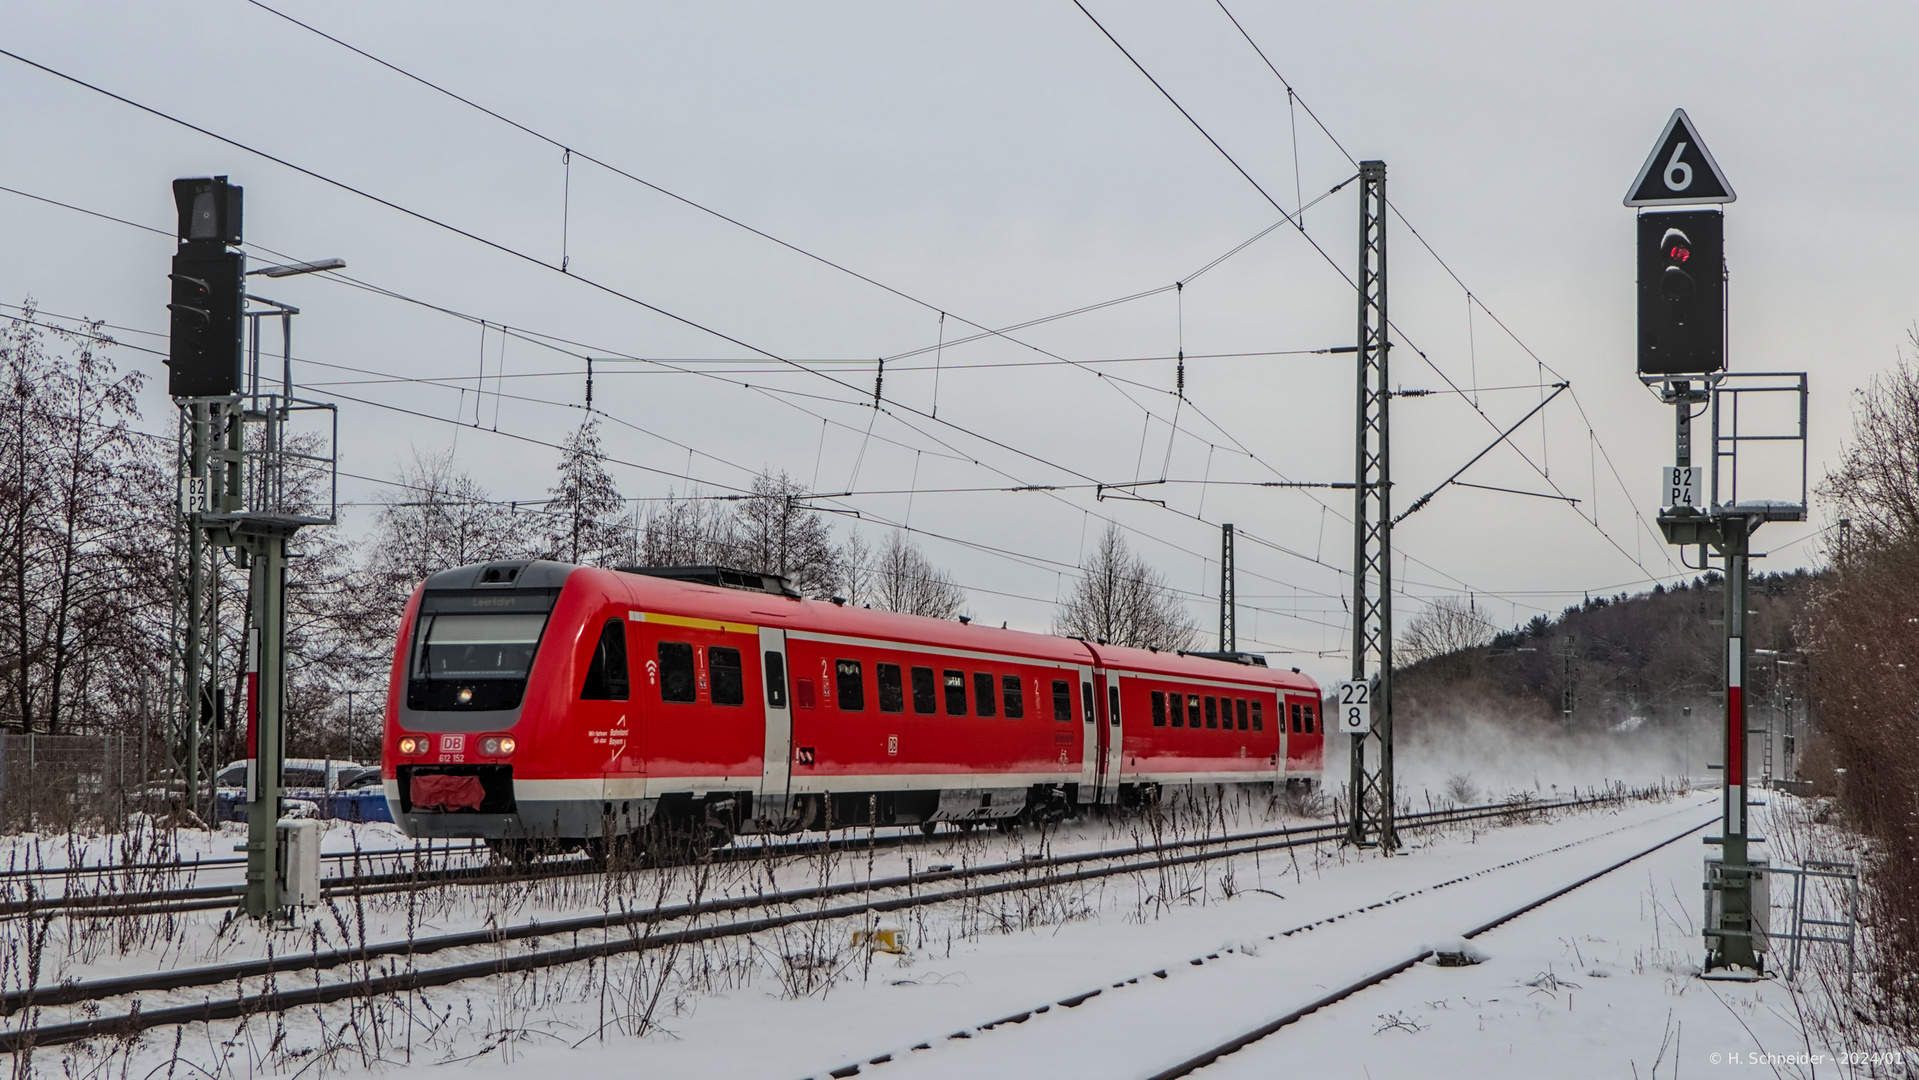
x,y
290,269
286,313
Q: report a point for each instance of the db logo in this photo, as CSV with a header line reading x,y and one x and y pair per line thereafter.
x,y
452,744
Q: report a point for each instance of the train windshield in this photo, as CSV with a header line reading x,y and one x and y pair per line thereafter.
x,y
491,646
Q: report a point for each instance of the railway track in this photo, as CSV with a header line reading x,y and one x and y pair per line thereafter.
x,y
641,930
211,897
115,904
1195,1062
187,866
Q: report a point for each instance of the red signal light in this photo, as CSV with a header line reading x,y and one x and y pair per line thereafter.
x,y
1678,253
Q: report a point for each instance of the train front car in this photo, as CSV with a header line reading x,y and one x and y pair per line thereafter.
x,y
476,695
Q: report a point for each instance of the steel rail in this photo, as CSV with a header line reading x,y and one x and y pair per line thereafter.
x,y
1240,1042
320,994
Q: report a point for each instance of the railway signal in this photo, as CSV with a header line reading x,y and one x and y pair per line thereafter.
x,y
203,354
1682,351
1682,292
233,495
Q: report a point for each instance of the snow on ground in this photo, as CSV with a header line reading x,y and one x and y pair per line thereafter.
x,y
144,843
1600,982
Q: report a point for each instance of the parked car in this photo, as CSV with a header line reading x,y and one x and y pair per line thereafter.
x,y
325,784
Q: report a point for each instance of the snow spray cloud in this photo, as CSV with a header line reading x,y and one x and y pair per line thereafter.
x,y
1478,757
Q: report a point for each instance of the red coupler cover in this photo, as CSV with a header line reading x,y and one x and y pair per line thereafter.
x,y
435,791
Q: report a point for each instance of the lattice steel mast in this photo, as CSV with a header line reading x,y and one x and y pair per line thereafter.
x,y
1371,791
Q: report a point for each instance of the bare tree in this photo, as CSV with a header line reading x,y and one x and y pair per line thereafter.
x,y
774,532
689,531
1864,674
898,577
1124,601
1448,625
1876,484
83,531
436,518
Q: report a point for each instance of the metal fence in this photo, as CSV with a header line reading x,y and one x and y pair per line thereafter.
x,y
54,782
1824,910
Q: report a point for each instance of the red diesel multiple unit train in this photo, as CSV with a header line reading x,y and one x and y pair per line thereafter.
x,y
537,700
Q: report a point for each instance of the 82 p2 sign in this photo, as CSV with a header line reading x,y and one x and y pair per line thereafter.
x,y
1355,708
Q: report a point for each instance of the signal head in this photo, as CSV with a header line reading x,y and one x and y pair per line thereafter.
x,y
1676,247
209,210
1681,292
1676,285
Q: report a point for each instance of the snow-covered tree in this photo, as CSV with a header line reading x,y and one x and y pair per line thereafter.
x,y
584,518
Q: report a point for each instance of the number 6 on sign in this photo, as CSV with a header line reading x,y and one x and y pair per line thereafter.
x,y
1355,708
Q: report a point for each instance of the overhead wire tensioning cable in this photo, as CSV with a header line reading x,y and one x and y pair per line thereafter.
x,y
503,248
1340,270
348,280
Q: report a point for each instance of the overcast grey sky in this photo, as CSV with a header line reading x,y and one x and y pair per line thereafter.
x,y
1002,162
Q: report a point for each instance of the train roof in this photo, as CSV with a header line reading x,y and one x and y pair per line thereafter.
x,y
767,600
682,595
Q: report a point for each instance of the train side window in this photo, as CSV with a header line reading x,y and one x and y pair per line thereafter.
x,y
1309,719
775,680
849,684
892,690
1212,713
729,681
1159,708
676,672
1178,710
606,676
803,693
1239,705
1259,716
955,693
1192,710
1086,700
1112,705
1296,717
983,696
1015,697
1062,701
923,694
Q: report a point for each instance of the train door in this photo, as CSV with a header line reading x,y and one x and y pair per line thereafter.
x,y
609,711
1092,749
1110,740
1279,758
776,767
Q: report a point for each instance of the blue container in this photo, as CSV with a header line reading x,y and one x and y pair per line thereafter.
x,y
366,804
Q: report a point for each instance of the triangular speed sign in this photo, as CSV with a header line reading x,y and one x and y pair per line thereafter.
x,y
1680,170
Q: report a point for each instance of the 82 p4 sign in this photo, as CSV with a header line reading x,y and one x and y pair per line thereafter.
x,y
1355,708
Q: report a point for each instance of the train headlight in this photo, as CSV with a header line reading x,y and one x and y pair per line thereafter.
x,y
412,745
498,745
465,695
